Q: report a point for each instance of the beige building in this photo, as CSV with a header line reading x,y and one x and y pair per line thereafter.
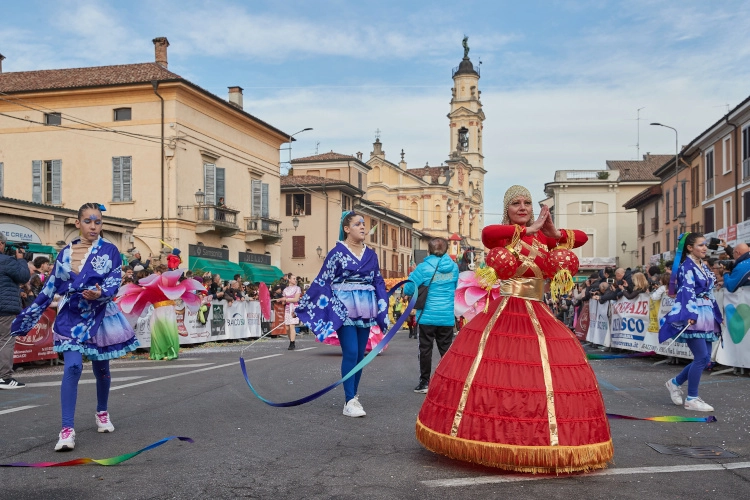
x,y
315,193
446,199
592,201
78,135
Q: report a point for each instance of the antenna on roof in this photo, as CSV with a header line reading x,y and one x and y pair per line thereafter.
x,y
317,145
638,137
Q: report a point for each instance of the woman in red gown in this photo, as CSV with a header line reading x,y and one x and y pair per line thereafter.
x,y
515,390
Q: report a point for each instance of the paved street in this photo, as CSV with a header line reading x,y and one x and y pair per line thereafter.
x,y
245,449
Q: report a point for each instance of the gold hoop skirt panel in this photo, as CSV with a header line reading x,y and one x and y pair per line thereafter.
x,y
515,391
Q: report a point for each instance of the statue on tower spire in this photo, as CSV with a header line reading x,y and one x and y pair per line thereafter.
x,y
465,44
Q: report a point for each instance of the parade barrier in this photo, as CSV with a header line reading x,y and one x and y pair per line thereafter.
x,y
241,320
633,324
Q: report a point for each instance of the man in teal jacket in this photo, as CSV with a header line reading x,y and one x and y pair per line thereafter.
x,y
436,321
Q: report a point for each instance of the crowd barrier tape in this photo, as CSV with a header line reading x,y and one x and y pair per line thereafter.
x,y
241,320
633,324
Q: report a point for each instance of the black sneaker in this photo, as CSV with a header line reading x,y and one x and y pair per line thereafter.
x,y
11,383
291,346
421,388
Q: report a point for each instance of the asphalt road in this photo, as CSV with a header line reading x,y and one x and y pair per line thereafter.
x,y
246,449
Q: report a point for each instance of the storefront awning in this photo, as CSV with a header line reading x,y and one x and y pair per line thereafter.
x,y
45,249
260,272
223,268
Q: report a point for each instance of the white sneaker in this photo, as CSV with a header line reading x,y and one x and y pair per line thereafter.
x,y
353,408
675,392
697,404
355,402
103,423
67,440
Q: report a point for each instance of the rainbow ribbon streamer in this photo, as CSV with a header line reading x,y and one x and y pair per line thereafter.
x,y
391,333
621,356
672,418
104,461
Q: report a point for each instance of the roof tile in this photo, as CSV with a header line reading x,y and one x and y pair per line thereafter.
x,y
330,156
639,170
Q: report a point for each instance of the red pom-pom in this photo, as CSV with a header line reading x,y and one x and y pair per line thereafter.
x,y
502,261
561,258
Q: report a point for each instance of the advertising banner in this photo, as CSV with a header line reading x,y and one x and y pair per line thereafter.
x,y
735,348
599,323
582,323
37,345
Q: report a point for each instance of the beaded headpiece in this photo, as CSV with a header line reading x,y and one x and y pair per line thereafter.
x,y
511,194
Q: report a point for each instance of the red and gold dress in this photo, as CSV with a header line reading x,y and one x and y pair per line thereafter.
x,y
515,390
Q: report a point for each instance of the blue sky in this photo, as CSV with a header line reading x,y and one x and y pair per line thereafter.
x,y
561,80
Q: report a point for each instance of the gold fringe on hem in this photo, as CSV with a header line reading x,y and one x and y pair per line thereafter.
x,y
532,459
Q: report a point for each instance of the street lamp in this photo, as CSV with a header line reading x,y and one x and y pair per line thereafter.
x,y
290,142
295,223
681,217
320,252
200,197
624,247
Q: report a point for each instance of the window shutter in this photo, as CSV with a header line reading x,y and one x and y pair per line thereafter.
x,y
256,199
220,191
308,205
298,246
127,178
209,183
288,205
264,200
36,181
2,180
57,182
745,205
116,178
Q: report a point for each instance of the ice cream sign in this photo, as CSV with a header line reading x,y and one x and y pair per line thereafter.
x,y
18,233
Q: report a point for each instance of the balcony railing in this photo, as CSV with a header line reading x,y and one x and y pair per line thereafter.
x,y
641,232
214,218
262,227
710,188
654,224
745,169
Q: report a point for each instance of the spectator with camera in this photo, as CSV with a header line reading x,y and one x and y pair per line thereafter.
x,y
14,272
739,274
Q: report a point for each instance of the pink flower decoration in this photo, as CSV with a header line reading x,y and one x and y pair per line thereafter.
x,y
471,297
133,299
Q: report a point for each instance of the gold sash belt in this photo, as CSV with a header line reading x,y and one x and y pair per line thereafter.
x,y
164,303
525,288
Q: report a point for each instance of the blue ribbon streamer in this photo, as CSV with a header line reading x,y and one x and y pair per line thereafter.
x,y
676,264
381,345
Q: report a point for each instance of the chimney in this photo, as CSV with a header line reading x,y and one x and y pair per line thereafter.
x,y
359,155
648,156
235,97
1,62
160,51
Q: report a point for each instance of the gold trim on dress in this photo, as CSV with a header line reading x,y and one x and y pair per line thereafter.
x,y
474,367
518,458
551,415
164,303
524,288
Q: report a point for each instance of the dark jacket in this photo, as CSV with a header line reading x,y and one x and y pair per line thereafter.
x,y
13,273
138,262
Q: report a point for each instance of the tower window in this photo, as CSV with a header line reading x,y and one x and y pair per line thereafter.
x,y
463,139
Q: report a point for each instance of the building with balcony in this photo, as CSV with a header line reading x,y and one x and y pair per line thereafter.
x,y
592,201
190,167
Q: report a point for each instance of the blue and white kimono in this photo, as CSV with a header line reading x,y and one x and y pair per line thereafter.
x,y
96,328
695,300
347,291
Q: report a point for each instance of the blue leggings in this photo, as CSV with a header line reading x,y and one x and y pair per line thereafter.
x,y
353,341
69,388
701,349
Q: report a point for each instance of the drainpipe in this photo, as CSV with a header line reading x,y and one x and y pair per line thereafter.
x,y
736,173
155,84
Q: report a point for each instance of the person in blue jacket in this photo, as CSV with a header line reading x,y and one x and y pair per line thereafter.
x,y
436,321
740,275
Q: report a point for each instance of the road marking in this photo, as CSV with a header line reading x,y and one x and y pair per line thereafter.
x,y
11,410
305,349
473,481
57,383
128,369
148,381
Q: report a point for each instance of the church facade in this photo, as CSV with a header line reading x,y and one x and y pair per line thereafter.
x,y
446,200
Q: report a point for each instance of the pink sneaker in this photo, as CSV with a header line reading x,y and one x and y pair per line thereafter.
x,y
67,440
103,423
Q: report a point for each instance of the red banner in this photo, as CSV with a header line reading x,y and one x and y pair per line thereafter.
x,y
582,323
38,343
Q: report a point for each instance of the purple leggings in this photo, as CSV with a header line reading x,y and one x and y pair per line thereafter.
x,y
701,349
69,388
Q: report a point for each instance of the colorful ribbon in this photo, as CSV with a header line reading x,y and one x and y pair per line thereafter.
x,y
672,418
621,356
391,333
676,264
104,461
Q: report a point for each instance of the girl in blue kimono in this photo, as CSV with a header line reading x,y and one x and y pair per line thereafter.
x,y
347,297
696,308
87,274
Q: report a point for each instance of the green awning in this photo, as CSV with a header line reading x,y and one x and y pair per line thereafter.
x,y
45,249
223,268
260,272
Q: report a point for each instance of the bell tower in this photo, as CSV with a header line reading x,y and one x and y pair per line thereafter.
x,y
466,116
